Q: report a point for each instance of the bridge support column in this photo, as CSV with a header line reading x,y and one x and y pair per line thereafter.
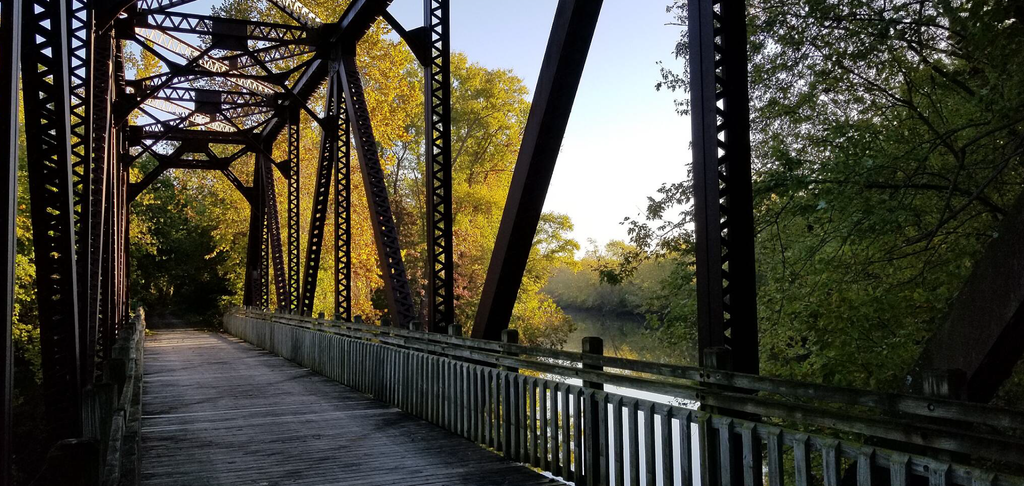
x,y
251,293
723,200
437,104
342,219
10,41
48,136
595,448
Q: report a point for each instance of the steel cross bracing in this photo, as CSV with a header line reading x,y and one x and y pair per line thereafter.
x,y
385,233
321,193
224,92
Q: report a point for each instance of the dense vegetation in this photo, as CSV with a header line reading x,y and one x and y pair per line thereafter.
x,y
888,144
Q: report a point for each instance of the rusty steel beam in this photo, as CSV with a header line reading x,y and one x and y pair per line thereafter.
x,y
10,54
560,72
983,336
385,233
48,135
723,198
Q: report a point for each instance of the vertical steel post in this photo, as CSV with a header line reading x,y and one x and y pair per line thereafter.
x,y
79,51
48,136
10,41
723,201
294,189
101,173
437,103
273,230
342,219
264,282
251,292
106,284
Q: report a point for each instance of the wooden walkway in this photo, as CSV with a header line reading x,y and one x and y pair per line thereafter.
x,y
217,410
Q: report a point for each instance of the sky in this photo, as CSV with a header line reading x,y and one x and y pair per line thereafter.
x,y
624,139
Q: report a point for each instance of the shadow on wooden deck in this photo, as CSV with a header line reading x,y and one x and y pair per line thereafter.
x,y
218,411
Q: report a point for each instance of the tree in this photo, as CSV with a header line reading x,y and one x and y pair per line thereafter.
x,y
887,141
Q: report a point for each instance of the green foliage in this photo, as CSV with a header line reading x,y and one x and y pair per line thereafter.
x,y
177,266
585,283
888,141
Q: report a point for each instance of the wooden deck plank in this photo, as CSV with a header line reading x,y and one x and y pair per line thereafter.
x,y
218,411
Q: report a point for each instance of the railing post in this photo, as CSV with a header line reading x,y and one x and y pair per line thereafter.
x,y
118,367
944,383
592,423
717,358
948,384
415,326
456,330
98,403
508,336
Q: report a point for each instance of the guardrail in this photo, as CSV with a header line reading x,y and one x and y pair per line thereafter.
x,y
551,409
107,454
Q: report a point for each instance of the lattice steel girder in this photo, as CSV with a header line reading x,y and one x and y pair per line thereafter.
x,y
264,280
48,136
244,190
983,335
274,232
136,188
298,12
148,6
437,104
266,55
136,135
723,201
342,221
564,58
294,190
213,97
201,57
127,106
244,30
79,37
194,118
385,233
321,195
10,54
101,175
357,19
176,161
252,291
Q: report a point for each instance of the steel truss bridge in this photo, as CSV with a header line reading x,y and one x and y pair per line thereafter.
x,y
240,89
